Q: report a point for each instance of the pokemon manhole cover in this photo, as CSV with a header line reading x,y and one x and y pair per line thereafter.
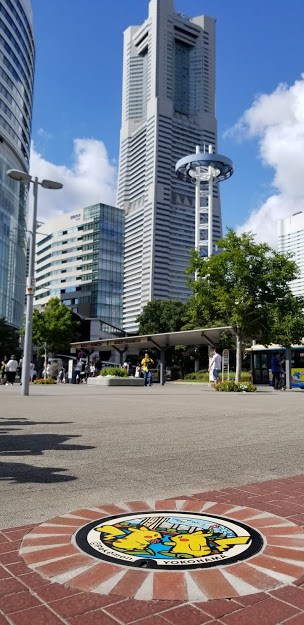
x,y
169,539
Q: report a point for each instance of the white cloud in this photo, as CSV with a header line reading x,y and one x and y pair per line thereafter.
x,y
276,120
91,179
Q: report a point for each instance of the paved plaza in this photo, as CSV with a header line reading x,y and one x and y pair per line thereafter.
x,y
72,455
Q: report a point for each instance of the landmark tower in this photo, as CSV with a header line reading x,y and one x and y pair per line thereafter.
x,y
168,109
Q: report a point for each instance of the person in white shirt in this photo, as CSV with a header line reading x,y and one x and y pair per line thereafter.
x,y
11,369
215,366
32,368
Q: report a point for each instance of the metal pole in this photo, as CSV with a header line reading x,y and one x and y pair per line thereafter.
x,y
197,224
162,376
30,283
45,361
210,205
287,368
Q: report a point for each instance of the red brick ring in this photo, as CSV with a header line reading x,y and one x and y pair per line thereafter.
x,y
50,549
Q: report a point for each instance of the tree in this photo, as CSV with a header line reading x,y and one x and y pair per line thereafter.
x,y
246,286
9,339
161,316
54,328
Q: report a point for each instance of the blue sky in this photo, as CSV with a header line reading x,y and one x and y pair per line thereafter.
x,y
78,97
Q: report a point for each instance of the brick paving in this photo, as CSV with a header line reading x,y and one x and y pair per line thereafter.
x,y
29,597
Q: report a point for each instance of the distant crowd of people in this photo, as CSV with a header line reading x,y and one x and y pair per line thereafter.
x,y
11,368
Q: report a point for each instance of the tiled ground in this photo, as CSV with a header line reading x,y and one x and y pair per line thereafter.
x,y
30,598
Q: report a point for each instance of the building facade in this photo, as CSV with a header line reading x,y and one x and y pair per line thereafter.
x,y
168,108
291,239
17,61
79,259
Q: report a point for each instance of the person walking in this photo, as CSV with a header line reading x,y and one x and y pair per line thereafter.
x,y
11,369
77,372
147,364
276,370
215,366
3,369
32,369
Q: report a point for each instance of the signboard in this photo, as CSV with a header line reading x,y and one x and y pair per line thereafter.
x,y
297,377
225,365
30,286
70,369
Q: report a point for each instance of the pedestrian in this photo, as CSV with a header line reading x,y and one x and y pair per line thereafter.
x,y
276,370
32,368
2,370
11,368
98,366
34,375
49,370
77,372
138,370
130,368
147,364
61,375
92,370
215,367
20,370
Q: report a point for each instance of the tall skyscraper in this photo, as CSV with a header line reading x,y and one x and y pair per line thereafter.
x,y
168,108
17,60
291,239
79,259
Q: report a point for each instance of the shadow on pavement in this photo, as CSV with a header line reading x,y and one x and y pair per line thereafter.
x,y
4,421
36,444
21,473
33,445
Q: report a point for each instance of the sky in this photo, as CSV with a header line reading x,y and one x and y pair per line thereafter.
x,y
259,104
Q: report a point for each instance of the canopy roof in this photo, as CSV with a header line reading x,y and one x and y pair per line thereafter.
x,y
274,346
202,336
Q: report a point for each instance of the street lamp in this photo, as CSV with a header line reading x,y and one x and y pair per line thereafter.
x,y
25,178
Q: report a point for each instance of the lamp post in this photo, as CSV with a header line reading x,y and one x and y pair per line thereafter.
x,y
25,178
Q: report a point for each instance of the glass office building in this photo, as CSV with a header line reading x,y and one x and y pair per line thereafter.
x,y
81,262
17,60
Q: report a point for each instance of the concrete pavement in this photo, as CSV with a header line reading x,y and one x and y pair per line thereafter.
x,y
70,454
66,445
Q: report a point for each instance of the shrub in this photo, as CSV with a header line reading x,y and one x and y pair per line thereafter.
x,y
245,376
235,387
45,381
198,376
118,372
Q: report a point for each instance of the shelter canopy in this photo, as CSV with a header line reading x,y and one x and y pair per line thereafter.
x,y
202,336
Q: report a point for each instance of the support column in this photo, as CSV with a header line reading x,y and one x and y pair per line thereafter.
x,y
288,367
121,354
162,372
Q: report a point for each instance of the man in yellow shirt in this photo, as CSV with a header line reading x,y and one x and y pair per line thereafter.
x,y
147,364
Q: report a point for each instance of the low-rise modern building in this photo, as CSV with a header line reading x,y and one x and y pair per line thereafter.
x,y
79,259
17,62
291,239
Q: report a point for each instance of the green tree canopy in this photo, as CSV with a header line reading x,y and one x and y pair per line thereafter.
x,y
247,286
9,339
161,316
54,327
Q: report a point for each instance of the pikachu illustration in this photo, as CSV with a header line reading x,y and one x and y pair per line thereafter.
x,y
189,545
196,545
138,538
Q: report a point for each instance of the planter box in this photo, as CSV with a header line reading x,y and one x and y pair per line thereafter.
x,y
113,381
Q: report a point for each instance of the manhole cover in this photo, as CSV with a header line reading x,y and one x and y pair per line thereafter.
x,y
169,540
